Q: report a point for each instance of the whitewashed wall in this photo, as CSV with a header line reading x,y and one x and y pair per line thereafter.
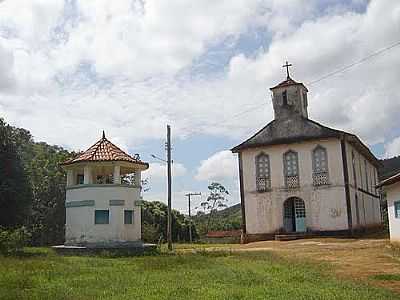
x,y
325,206
80,226
393,194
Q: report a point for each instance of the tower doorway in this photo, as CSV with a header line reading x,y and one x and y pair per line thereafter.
x,y
294,215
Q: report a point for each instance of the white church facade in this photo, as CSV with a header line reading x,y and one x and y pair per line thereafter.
x,y
103,194
299,176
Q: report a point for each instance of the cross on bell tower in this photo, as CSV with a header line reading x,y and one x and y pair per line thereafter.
x,y
287,65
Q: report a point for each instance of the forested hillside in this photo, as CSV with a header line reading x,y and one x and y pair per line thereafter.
x,y
229,218
390,167
32,185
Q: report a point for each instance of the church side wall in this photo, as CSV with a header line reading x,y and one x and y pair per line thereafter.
x,y
325,206
80,226
363,176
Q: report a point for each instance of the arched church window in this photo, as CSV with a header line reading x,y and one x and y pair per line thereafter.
x,y
284,98
263,172
320,166
305,104
291,169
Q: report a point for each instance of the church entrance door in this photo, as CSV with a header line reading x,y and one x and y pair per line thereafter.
x,y
294,215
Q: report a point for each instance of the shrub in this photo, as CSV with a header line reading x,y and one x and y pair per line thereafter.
x,y
12,241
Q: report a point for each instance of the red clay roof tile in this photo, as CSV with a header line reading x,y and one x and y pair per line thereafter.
x,y
104,150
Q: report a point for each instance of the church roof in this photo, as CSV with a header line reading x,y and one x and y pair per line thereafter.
x,y
298,129
104,150
288,82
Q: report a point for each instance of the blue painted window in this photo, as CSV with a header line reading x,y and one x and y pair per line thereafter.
x,y
128,216
101,217
80,179
397,209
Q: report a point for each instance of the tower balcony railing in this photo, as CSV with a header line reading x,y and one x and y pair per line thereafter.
x,y
103,185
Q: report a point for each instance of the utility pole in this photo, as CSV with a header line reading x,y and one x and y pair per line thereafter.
x,y
190,216
169,220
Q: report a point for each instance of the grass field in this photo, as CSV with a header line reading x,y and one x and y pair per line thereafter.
x,y
202,275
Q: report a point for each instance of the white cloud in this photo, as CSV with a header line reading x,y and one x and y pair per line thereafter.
x,y
220,165
121,43
392,148
159,170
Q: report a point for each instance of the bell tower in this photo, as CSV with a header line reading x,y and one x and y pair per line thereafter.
x,y
289,98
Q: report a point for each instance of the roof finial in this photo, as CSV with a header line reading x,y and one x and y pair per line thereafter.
x,y
104,135
287,65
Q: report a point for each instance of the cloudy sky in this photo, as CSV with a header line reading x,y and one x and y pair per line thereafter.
x,y
69,69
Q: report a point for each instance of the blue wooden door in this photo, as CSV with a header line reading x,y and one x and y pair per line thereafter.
x,y
300,214
288,215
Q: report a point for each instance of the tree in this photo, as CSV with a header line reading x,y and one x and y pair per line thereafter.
x,y
154,223
15,192
48,181
215,200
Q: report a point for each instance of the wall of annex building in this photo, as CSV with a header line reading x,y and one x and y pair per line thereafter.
x,y
363,177
325,205
80,220
393,194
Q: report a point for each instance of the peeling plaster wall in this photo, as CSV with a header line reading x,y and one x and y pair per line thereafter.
x,y
325,206
393,194
80,227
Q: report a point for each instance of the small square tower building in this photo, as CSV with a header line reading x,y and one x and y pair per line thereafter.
x,y
103,197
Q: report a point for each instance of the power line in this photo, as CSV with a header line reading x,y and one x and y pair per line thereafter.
x,y
341,70
345,68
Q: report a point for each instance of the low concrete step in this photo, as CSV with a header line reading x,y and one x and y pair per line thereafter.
x,y
291,236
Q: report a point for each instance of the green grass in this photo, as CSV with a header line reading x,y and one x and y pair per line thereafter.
x,y
202,275
387,277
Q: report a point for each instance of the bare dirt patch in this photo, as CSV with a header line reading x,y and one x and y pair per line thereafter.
x,y
371,260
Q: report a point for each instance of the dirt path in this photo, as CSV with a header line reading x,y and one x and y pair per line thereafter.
x,y
359,259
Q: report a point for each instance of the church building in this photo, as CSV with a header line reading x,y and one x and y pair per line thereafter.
x,y
298,176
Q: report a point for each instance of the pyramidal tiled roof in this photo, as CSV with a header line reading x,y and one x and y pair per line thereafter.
x,y
104,150
288,81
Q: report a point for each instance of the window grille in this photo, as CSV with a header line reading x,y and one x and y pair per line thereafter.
x,y
263,173
320,178
320,166
300,208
